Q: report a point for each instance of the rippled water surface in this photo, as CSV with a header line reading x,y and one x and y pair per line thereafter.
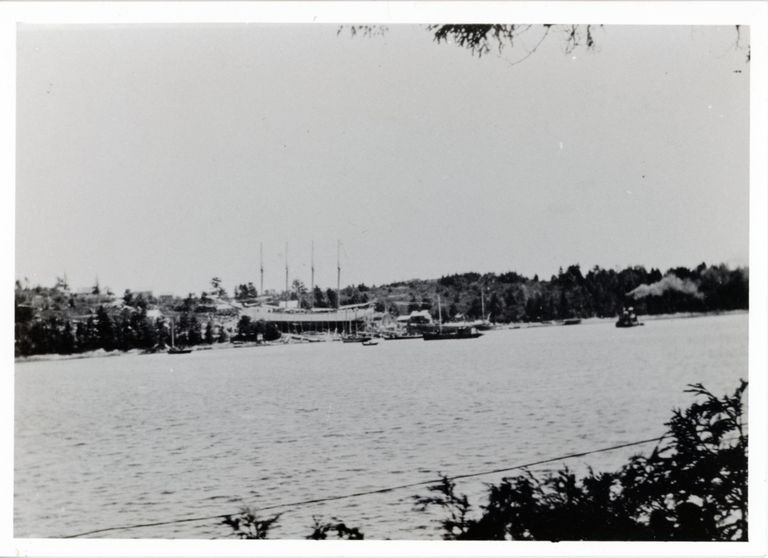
x,y
137,439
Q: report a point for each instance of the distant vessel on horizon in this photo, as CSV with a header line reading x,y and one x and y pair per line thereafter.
x,y
628,318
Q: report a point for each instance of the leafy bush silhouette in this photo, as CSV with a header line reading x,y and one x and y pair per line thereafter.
x,y
693,486
320,530
247,525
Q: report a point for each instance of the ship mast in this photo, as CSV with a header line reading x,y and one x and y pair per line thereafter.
x,y
338,274
439,313
312,282
261,267
287,296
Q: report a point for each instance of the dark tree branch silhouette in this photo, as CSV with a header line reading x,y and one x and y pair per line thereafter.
x,y
483,38
693,487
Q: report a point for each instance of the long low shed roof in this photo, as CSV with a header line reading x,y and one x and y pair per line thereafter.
x,y
309,317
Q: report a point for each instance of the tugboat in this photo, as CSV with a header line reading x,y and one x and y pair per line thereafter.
x,y
628,318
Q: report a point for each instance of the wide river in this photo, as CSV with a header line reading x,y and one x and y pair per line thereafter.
x,y
135,439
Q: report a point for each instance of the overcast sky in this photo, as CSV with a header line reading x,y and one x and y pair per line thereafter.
x,y
159,157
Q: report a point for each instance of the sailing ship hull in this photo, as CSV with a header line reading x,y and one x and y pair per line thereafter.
x,y
355,339
344,320
402,337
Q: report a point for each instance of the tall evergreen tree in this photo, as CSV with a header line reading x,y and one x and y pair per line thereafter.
x,y
105,330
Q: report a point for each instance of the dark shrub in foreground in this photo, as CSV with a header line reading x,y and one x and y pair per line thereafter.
x,y
692,487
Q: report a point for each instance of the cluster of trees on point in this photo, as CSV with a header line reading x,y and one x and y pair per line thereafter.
x,y
127,330
123,330
55,320
511,297
692,487
64,322
258,330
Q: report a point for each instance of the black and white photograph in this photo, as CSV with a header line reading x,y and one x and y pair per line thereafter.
x,y
384,281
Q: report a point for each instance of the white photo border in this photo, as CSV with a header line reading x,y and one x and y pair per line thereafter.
x,y
751,13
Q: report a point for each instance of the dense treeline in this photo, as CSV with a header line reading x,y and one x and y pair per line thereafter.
x,y
510,297
124,330
55,320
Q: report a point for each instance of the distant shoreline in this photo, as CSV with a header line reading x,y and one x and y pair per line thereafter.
x,y
642,318
685,315
101,353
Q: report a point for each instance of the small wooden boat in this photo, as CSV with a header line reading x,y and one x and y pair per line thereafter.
x,y
401,337
370,343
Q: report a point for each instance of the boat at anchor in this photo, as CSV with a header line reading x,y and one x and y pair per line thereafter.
x,y
458,333
446,331
173,349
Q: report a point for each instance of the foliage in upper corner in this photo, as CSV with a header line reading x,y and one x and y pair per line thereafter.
x,y
480,38
693,487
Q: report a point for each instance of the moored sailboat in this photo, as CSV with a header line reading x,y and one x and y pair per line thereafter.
x,y
462,332
173,349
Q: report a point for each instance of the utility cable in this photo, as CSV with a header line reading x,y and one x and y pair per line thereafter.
x,y
371,492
